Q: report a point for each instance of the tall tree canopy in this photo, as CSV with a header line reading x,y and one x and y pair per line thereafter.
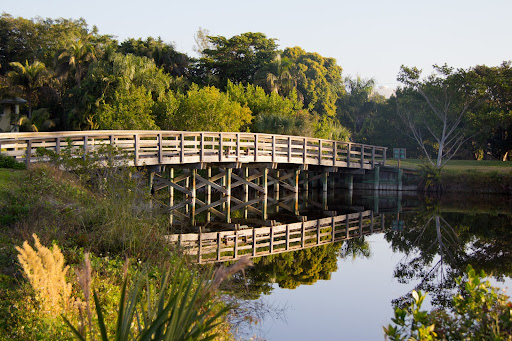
x,y
493,120
28,78
318,80
436,110
163,54
236,59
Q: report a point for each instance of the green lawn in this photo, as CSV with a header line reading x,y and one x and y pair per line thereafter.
x,y
8,177
460,165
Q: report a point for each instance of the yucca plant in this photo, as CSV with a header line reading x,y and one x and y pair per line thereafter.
x,y
184,308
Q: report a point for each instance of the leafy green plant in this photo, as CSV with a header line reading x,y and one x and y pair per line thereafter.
x,y
431,178
411,323
479,312
10,162
184,307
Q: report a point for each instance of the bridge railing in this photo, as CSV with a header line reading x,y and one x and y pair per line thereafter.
x,y
182,147
263,241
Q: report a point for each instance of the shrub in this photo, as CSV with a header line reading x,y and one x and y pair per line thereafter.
x,y
10,162
479,312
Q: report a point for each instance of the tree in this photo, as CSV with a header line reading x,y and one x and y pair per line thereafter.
x,y
202,41
435,110
208,109
318,80
277,77
493,120
259,102
163,54
236,59
130,109
358,106
29,78
77,57
42,39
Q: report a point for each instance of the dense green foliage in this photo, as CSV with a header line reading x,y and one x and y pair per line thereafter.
x,y
479,312
107,212
75,78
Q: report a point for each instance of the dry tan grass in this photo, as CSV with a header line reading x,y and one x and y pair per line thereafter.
x,y
45,270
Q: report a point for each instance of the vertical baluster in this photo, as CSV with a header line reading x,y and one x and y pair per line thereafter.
x,y
160,149
319,151
182,148
85,139
136,150
349,151
305,150
57,145
289,149
28,153
255,147
362,155
273,148
237,146
220,147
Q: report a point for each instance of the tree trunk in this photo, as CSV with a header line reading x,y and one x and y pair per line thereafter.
x,y
505,157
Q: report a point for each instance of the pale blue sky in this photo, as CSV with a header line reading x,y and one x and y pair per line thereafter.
x,y
371,38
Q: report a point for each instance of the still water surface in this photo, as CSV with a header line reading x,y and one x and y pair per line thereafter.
x,y
347,290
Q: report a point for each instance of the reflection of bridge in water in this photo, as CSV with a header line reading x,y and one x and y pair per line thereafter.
x,y
262,241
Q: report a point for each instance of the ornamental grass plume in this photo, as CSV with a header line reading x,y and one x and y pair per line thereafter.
x,y
45,270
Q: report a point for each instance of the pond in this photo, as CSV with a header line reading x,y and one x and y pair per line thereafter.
x,y
347,289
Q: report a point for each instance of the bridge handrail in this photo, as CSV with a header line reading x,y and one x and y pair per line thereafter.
x,y
151,147
264,241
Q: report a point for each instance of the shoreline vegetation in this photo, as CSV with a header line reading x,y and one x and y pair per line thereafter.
x,y
469,176
99,259
80,213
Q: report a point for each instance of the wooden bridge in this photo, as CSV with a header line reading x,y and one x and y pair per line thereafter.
x,y
181,147
263,241
205,167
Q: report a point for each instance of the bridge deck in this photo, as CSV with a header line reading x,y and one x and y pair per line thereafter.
x,y
180,147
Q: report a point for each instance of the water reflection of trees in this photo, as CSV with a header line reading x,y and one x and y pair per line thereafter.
x,y
301,267
439,245
433,255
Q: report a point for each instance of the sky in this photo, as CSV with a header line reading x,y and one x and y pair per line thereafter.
x,y
368,38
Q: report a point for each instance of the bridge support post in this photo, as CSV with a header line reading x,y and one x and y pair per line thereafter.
x,y
246,192
223,184
208,193
296,179
193,174
228,195
264,177
306,182
276,189
349,181
187,185
376,178
151,178
170,177
399,180
325,181
376,202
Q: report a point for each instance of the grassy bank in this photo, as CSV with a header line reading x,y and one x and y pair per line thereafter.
x,y
114,221
470,176
480,166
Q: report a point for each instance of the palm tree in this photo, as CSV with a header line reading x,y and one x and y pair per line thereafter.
x,y
28,78
77,57
278,76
